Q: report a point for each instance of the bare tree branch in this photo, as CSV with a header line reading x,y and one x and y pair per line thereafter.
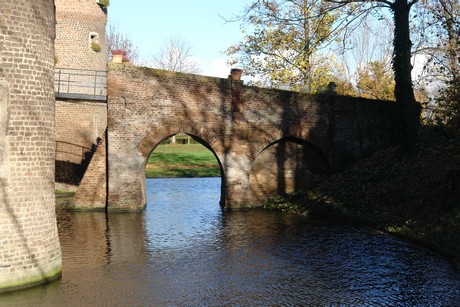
x,y
115,39
174,55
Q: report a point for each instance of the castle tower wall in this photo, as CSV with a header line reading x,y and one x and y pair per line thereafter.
x,y
29,245
80,119
78,24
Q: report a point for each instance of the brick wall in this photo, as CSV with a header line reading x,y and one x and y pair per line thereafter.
x,y
93,187
267,141
286,166
29,245
79,124
76,20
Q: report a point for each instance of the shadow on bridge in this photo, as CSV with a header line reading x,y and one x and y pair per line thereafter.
x,y
258,136
266,141
72,161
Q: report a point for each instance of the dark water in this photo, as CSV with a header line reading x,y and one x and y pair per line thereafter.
x,y
183,250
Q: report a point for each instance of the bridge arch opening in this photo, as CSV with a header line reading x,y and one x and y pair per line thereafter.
x,y
184,155
286,165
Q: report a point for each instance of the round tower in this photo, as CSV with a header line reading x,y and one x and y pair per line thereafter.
x,y
30,253
80,35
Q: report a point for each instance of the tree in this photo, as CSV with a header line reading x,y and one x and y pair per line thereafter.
x,y
370,42
283,47
376,81
401,61
174,55
440,45
447,15
115,39
318,23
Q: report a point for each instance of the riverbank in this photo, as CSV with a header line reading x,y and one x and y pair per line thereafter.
x,y
417,197
182,160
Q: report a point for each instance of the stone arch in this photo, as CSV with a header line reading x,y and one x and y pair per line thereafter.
x,y
164,130
323,143
286,165
203,136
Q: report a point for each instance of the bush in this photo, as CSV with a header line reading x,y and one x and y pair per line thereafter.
x,y
104,3
95,47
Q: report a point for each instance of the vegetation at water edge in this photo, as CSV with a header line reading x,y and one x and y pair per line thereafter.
x,y
416,197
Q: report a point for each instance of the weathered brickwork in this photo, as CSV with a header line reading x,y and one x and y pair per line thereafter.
x,y
81,122
285,167
76,22
266,141
29,246
79,125
93,187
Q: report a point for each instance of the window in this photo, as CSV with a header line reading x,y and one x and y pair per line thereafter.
x,y
94,42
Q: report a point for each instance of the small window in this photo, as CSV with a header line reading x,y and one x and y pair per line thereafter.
x,y
94,42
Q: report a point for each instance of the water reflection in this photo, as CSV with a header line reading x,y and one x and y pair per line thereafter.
x,y
183,250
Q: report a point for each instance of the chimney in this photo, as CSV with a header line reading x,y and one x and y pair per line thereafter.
x,y
235,74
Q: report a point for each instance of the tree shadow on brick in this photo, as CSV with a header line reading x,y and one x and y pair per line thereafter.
x,y
321,133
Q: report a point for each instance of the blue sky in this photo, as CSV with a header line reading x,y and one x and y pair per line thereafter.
x,y
150,22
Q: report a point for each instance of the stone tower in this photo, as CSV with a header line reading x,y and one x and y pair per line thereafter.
x,y
80,27
29,245
80,85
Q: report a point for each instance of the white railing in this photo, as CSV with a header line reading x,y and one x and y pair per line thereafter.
x,y
80,84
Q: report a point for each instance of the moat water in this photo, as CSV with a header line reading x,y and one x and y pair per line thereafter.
x,y
184,250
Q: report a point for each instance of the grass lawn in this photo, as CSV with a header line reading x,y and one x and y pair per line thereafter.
x,y
177,160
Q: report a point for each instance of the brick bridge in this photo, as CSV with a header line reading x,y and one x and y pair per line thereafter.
x,y
266,141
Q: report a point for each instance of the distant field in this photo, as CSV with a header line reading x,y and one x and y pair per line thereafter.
x,y
175,160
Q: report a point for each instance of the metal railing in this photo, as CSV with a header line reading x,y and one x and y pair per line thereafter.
x,y
80,84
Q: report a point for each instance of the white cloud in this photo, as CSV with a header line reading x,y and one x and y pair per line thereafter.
x,y
214,68
220,68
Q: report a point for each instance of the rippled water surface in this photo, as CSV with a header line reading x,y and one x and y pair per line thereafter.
x,y
183,250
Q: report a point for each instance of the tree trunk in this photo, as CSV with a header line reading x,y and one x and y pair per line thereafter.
x,y
404,92
307,49
452,43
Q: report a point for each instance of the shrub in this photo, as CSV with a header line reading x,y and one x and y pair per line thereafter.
x,y
95,47
104,3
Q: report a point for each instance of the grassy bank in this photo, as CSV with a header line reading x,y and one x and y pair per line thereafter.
x,y
417,197
182,160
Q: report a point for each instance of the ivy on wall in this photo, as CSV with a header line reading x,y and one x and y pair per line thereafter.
x,y
104,3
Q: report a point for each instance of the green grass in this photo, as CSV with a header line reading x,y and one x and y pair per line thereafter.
x,y
62,193
174,160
